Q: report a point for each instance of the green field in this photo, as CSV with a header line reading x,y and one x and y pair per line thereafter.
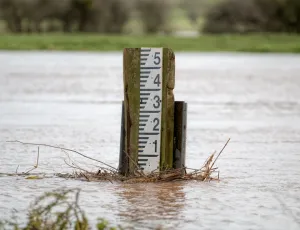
x,y
93,42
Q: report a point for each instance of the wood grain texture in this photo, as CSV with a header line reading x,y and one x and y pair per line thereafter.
x,y
167,131
131,80
180,118
123,165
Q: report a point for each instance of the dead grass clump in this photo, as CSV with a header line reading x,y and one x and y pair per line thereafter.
x,y
205,173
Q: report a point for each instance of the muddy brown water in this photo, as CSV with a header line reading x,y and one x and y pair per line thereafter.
x,y
73,100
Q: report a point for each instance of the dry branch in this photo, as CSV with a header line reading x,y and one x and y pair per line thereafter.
x,y
62,148
107,174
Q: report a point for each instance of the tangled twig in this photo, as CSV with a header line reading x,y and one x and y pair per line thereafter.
x,y
66,149
107,174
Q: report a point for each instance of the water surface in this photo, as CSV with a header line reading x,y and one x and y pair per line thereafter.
x,y
74,99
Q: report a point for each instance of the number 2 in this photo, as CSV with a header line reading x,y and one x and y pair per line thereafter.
x,y
155,128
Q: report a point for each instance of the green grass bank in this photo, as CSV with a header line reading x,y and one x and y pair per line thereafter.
x,y
279,43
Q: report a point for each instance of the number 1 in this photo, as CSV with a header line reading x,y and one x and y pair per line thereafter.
x,y
155,143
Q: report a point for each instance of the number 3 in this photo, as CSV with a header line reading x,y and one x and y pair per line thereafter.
x,y
157,100
156,58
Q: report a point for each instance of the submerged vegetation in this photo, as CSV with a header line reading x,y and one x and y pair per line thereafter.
x,y
55,211
107,172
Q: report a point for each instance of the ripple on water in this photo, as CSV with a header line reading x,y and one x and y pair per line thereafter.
x,y
254,99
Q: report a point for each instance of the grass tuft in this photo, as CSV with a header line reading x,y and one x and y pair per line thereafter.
x,y
56,211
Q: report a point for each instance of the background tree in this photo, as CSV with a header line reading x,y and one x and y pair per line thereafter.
x,y
154,14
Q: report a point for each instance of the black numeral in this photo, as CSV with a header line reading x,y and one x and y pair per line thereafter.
x,y
155,128
157,80
157,100
156,58
155,147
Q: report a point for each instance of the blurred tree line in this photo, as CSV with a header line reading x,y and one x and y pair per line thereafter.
x,y
105,16
245,16
111,16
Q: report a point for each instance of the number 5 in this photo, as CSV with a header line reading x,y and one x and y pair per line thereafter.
x,y
156,58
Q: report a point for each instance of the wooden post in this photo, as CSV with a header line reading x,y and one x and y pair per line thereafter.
x,y
123,160
148,98
180,134
131,79
166,160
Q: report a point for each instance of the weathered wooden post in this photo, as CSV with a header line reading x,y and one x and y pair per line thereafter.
x,y
180,120
147,130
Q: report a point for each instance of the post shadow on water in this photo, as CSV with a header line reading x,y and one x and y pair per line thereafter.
x,y
153,204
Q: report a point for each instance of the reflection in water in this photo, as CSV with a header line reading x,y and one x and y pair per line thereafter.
x,y
153,204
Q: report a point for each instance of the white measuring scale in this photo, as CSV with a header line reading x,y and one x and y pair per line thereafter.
x,y
151,78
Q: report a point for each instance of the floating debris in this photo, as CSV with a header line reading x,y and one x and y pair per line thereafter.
x,y
33,177
206,173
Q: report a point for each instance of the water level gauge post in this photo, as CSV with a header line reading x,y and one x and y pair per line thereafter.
x,y
150,108
148,123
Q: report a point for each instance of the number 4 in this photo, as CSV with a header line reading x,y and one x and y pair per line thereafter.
x,y
156,80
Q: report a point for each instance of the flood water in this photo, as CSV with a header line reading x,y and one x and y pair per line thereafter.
x,y
73,100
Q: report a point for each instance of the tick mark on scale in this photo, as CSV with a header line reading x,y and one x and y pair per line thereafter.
x,y
149,90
